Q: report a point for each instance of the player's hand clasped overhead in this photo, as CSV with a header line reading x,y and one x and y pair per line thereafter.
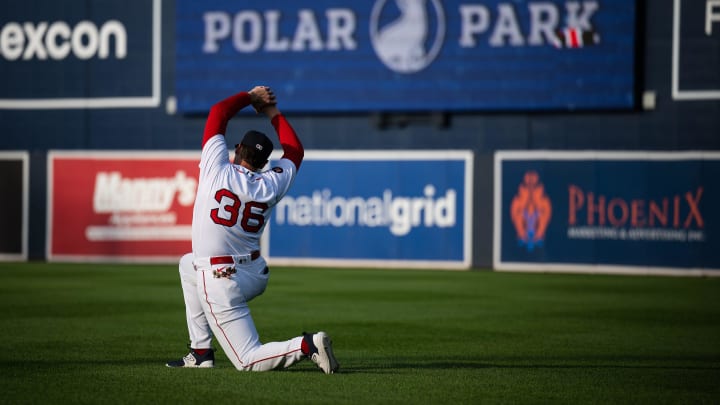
x,y
261,97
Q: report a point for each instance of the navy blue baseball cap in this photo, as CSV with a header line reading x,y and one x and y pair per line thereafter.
x,y
259,142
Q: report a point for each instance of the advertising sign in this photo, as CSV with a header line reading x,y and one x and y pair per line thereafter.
x,y
635,212
377,208
425,55
80,54
14,190
696,42
120,206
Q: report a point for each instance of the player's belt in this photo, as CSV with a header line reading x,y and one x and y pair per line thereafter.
x,y
206,262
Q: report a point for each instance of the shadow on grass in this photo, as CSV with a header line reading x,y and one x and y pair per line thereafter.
x,y
379,365
394,365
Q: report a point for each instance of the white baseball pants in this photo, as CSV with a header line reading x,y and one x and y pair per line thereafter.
x,y
218,306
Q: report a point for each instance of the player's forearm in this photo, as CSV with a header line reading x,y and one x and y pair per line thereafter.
x,y
292,147
221,113
270,111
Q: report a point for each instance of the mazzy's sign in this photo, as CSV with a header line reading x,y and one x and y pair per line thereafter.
x,y
120,206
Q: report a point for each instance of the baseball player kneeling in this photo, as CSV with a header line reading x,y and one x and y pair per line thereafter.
x,y
225,269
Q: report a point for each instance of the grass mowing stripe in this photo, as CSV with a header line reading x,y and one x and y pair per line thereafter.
x,y
100,333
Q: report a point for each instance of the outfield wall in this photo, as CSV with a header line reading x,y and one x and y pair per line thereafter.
x,y
116,87
410,209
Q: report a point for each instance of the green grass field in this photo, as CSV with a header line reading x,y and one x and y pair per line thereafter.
x,y
91,334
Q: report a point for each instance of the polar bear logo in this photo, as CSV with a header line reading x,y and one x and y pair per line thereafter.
x,y
401,43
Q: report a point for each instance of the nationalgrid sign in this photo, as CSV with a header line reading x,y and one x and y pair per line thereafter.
x,y
386,55
630,212
378,209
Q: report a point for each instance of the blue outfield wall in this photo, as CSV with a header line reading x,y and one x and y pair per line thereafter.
x,y
130,95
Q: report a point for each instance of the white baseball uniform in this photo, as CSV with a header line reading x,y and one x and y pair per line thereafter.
x,y
232,207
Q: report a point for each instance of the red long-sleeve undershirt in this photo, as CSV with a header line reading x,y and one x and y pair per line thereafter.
x,y
221,113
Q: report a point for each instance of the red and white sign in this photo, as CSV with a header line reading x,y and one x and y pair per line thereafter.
x,y
120,206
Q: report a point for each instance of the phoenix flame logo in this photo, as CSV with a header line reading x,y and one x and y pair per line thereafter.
x,y
530,211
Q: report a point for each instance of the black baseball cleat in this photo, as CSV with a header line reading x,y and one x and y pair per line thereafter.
x,y
321,352
194,360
